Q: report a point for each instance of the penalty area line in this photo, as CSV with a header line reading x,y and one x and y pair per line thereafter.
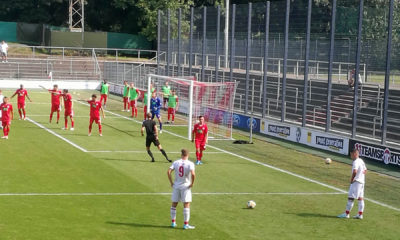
x,y
168,193
57,135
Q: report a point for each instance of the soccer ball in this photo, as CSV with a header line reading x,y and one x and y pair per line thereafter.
x,y
251,204
328,161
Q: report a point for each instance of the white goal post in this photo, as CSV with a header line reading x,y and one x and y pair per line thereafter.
x,y
214,101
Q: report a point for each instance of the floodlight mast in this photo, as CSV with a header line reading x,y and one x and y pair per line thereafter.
x,y
76,15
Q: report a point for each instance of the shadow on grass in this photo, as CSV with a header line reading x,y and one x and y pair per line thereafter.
x,y
141,225
133,160
318,215
121,131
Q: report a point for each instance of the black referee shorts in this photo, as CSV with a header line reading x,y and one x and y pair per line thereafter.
x,y
153,140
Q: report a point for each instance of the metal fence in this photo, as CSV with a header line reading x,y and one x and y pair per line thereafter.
x,y
303,59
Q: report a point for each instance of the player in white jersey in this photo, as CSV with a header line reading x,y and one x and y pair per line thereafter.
x,y
357,182
182,187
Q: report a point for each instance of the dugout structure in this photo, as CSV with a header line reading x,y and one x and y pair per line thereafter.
x,y
214,101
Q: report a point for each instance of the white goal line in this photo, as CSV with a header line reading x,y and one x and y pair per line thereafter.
x,y
133,151
168,193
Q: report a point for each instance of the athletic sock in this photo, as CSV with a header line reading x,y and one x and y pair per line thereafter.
x,y
100,128
20,113
173,117
160,126
201,154
58,116
5,131
66,123
23,111
150,154
349,206
197,155
72,123
164,153
186,215
173,214
360,207
51,116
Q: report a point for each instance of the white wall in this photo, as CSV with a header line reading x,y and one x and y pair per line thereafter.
x,y
32,84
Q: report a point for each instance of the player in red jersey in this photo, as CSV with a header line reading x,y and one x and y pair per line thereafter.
x,y
55,102
68,111
95,108
22,93
7,115
134,94
200,137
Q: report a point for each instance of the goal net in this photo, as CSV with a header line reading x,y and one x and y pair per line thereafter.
x,y
214,101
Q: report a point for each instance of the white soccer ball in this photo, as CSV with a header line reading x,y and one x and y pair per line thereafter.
x,y
328,161
251,204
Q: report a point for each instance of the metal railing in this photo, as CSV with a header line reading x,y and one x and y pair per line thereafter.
x,y
71,69
97,69
66,52
318,70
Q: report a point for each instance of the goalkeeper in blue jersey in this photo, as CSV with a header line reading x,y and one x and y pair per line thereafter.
x,y
155,108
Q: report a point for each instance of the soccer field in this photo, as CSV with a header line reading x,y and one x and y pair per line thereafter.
x,y
61,184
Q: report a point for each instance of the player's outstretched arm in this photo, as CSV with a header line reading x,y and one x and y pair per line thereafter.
x,y
13,95
12,114
170,177
28,98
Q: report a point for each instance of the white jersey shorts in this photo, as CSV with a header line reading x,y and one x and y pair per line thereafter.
x,y
356,190
182,195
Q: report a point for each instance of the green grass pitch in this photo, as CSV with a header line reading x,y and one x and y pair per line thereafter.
x,y
106,187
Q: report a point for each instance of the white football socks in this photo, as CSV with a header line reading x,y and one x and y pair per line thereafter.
x,y
349,206
173,214
360,206
186,215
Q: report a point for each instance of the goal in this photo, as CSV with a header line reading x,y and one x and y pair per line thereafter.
x,y
214,101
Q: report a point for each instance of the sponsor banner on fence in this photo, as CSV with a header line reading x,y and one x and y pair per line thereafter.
x,y
308,137
243,122
116,89
377,153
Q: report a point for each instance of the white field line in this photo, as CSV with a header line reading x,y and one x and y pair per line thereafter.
x,y
168,193
57,135
267,165
127,151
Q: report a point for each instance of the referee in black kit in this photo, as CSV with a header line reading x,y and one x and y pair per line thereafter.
x,y
152,136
